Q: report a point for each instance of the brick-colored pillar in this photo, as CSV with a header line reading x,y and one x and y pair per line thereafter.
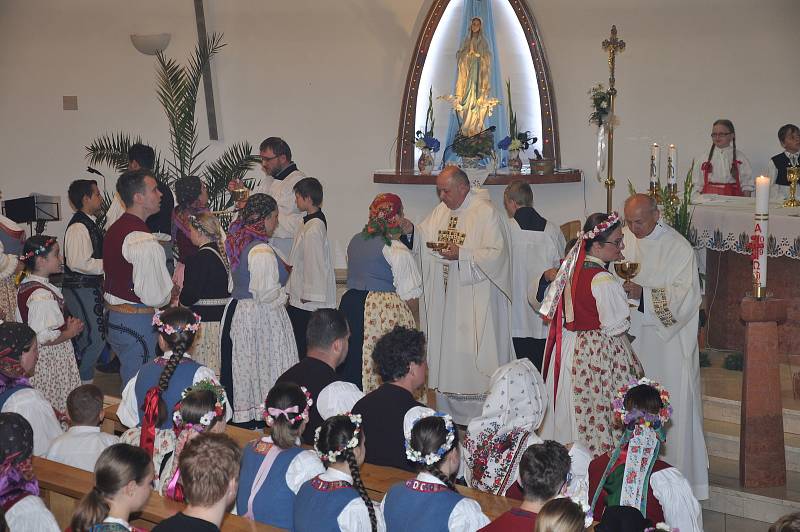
x,y
762,462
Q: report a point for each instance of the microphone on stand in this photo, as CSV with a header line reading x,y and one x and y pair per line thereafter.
x,y
97,172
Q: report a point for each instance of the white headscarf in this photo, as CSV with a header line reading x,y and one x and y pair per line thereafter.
x,y
337,398
495,440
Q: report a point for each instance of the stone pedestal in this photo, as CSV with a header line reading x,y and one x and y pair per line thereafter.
x,y
762,462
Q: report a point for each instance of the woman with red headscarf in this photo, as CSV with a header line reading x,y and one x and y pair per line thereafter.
x,y
382,277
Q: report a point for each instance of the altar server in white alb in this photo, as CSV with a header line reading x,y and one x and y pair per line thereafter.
x,y
665,327
536,245
466,304
312,283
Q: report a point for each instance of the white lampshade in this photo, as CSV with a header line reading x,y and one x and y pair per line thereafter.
x,y
151,44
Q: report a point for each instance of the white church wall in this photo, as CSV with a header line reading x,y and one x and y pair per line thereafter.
x,y
328,77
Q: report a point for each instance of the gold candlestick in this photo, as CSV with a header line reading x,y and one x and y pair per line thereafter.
x,y
611,45
792,175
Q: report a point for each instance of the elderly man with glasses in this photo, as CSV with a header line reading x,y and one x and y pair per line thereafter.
x,y
665,327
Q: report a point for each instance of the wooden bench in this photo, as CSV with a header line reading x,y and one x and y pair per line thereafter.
x,y
377,479
62,486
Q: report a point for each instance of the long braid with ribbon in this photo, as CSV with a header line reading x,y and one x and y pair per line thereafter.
x,y
178,327
644,434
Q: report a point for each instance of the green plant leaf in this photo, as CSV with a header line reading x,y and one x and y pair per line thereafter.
x,y
233,164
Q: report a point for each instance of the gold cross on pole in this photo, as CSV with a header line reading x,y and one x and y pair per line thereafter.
x,y
612,46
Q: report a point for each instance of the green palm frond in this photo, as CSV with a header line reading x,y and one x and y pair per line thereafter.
x,y
231,165
111,150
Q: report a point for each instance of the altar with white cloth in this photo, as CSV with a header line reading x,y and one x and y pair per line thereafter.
x,y
724,225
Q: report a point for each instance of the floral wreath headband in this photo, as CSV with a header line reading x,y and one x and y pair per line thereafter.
x,y
207,418
272,414
638,417
602,226
48,244
332,455
169,329
431,458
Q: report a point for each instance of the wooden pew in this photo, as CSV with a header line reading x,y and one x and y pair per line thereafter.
x,y
377,479
63,486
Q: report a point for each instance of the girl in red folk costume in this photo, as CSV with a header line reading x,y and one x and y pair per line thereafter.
x,y
588,354
632,475
726,170
202,409
40,304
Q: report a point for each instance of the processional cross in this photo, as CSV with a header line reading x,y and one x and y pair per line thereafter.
x,y
612,45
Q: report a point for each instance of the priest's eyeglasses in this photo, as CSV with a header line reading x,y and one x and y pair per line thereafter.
x,y
267,159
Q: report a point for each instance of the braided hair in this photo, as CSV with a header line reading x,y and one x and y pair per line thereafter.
x,y
208,224
334,435
429,435
727,124
285,395
179,341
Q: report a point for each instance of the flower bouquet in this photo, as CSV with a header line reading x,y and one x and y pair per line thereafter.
x,y
516,140
600,99
425,140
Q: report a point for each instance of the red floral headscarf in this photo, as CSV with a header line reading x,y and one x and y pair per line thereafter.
x,y
384,216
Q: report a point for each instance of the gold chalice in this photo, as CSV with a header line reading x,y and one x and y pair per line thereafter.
x,y
240,194
627,270
792,175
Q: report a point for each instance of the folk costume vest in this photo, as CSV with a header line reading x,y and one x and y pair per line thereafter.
x,y
415,505
781,162
319,504
148,377
241,274
119,272
367,268
75,279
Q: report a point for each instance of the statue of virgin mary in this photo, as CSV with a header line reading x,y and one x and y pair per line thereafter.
x,y
471,100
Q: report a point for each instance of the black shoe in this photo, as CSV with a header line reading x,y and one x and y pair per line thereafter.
x,y
112,366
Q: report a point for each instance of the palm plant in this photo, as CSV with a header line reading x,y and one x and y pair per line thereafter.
x,y
177,87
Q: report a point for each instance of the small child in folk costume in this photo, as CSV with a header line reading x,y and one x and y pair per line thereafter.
x,y
123,478
430,501
40,304
19,353
21,508
206,285
275,467
495,441
257,341
149,397
337,499
789,137
588,355
202,410
12,238
632,475
726,170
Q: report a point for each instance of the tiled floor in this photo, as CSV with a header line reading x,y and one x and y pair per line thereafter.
x,y
717,522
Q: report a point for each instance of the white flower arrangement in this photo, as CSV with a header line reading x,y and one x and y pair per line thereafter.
x,y
431,458
332,455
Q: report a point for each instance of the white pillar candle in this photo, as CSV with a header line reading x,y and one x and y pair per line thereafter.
x,y
761,231
672,165
655,162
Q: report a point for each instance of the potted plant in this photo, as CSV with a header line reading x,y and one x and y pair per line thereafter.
x,y
516,140
177,87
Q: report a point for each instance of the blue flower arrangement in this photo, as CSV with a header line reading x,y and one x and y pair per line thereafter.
x,y
426,140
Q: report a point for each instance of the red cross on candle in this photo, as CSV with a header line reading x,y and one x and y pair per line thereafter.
x,y
756,245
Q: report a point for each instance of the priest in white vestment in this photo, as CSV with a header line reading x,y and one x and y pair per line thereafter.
x,y
466,302
665,327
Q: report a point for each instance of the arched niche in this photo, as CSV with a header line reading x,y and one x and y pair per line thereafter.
x,y
405,156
